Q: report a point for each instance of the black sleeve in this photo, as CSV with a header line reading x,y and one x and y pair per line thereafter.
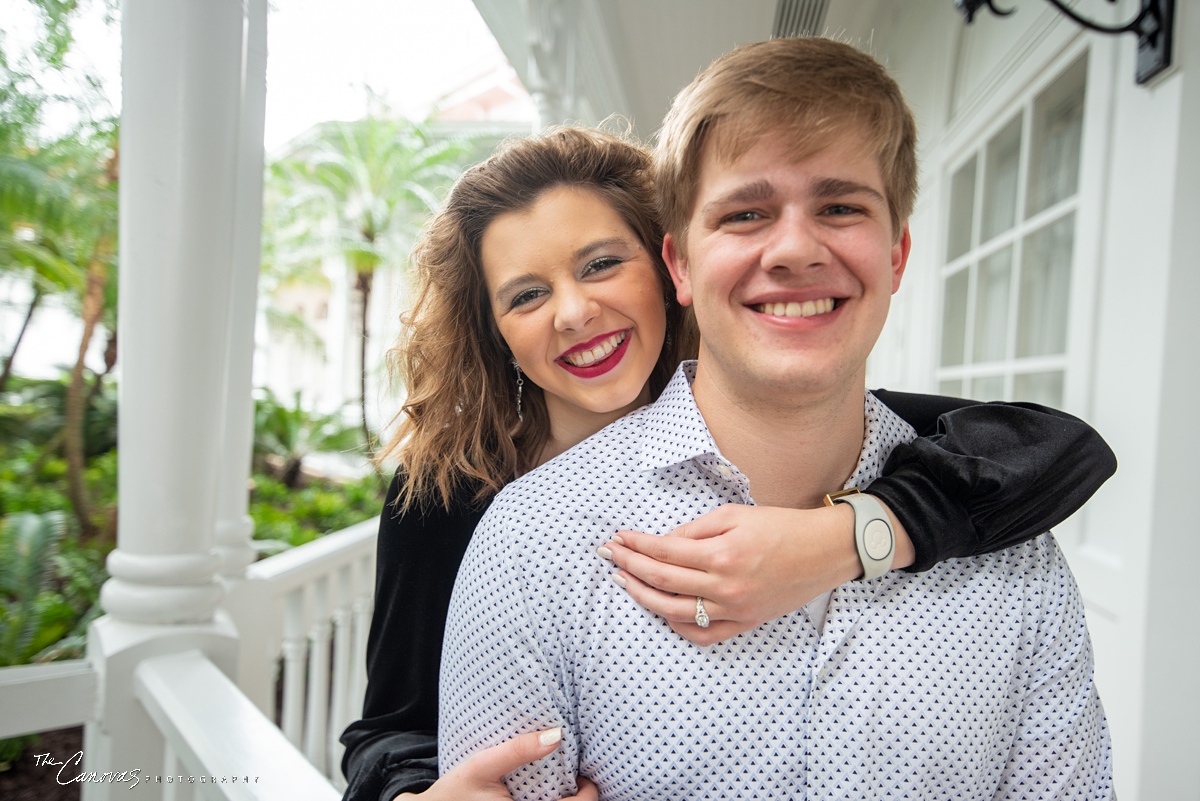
x,y
984,476
393,749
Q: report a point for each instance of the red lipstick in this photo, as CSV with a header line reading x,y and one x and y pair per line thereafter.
x,y
596,368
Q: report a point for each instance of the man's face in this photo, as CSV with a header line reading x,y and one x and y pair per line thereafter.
x,y
791,266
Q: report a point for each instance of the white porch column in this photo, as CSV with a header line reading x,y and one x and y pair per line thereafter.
x,y
234,528
550,40
181,77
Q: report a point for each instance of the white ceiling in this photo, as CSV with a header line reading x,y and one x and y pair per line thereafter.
x,y
636,54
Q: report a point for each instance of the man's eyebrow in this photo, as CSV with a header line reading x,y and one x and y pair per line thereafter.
x,y
835,187
752,192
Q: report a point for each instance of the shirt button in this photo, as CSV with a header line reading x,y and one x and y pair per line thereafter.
x,y
725,471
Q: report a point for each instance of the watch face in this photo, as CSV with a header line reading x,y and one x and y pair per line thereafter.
x,y
877,539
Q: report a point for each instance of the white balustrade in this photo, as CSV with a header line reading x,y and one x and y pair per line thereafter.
x,y
307,611
37,698
302,618
212,729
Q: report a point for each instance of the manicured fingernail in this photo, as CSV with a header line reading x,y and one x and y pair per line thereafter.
x,y
617,539
619,580
550,736
604,553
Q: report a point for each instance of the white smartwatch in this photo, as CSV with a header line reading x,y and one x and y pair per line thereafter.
x,y
873,535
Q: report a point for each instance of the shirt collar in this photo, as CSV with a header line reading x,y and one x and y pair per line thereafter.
x,y
674,431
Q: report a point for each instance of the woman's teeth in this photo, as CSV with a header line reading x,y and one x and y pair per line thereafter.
x,y
586,358
808,308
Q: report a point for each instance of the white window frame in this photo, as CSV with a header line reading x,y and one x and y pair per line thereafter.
x,y
973,136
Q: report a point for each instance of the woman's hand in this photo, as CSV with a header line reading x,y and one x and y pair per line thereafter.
x,y
750,564
479,778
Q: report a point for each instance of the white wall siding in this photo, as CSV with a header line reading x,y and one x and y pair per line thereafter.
x,y
1133,371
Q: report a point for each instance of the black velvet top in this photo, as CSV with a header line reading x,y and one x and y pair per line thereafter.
x,y
980,478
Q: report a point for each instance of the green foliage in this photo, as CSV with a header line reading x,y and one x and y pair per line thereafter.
x,y
47,591
358,191
34,410
33,471
361,189
32,481
286,518
12,748
290,433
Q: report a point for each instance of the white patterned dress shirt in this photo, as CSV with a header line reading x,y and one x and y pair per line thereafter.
x,y
970,681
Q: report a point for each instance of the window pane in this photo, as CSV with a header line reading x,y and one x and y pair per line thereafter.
x,y
1045,288
1043,388
1057,134
991,306
1000,180
962,211
954,319
988,388
952,388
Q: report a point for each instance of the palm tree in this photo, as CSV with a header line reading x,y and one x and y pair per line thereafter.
x,y
369,183
290,433
34,206
58,229
90,164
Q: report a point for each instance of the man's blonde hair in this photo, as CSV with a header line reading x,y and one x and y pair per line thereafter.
x,y
814,91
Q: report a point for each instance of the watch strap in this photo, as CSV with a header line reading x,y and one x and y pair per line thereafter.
x,y
873,535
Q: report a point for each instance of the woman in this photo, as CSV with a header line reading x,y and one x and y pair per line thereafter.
x,y
545,312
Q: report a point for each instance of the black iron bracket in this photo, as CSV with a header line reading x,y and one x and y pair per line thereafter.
x,y
1154,27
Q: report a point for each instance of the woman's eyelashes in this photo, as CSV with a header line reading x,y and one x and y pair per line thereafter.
x,y
526,296
600,265
594,267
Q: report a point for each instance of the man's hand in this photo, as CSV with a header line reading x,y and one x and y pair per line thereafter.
x,y
750,564
479,778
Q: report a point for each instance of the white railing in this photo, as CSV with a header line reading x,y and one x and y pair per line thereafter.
x,y
308,609
212,729
37,698
302,618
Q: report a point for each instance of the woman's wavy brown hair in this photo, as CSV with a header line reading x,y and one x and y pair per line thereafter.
x,y
458,426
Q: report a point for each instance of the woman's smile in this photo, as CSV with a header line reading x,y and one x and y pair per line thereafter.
x,y
596,356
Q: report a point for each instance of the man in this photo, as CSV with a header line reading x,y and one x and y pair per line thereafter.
x,y
787,174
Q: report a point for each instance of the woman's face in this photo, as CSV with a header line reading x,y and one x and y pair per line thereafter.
x,y
579,302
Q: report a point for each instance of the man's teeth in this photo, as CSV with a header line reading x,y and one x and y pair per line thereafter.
x,y
586,358
808,308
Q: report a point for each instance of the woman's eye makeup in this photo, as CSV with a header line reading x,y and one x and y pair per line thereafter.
x,y
596,266
525,296
601,264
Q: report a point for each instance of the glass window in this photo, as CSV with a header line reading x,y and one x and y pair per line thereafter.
x,y
954,318
952,388
1006,292
1044,388
962,211
1057,137
991,307
1046,289
988,388
1000,180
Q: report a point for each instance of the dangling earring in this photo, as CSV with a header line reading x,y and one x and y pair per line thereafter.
x,y
520,384
667,343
